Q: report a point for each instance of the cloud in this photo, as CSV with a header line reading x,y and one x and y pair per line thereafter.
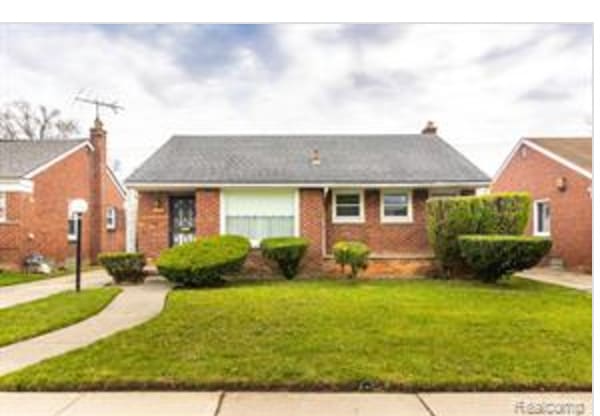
x,y
479,83
546,92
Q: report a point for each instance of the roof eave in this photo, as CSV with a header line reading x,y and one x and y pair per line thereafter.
x,y
142,185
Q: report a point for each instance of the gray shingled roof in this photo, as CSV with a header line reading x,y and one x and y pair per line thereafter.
x,y
410,158
19,157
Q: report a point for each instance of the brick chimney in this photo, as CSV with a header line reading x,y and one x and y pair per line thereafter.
x,y
97,191
430,128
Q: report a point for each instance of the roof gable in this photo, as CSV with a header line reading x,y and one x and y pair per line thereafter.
x,y
286,159
26,158
574,153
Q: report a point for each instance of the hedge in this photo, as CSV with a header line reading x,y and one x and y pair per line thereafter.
x,y
448,218
352,253
124,267
287,252
495,256
205,261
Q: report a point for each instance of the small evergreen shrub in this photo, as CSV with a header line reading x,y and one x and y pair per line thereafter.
x,y
495,256
287,252
204,262
124,267
448,218
351,253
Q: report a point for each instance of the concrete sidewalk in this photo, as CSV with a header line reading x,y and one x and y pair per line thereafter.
x,y
293,404
579,281
26,292
135,305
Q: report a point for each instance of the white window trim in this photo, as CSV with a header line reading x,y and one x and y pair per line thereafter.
x,y
4,199
345,219
72,237
387,219
535,219
111,218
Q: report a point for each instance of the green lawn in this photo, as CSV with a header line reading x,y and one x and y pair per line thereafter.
x,y
44,315
9,278
14,278
339,335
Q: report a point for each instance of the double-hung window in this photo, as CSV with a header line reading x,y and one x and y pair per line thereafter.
x,y
72,227
111,218
396,206
541,217
348,206
3,207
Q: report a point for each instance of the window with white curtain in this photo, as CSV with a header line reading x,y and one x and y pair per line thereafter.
x,y
3,206
259,213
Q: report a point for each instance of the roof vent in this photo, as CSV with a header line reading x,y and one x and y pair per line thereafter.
x,y
316,159
430,128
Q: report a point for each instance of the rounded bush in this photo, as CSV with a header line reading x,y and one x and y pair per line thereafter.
x,y
205,261
124,267
287,252
448,218
352,253
495,256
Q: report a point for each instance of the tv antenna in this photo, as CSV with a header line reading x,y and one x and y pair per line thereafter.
x,y
114,106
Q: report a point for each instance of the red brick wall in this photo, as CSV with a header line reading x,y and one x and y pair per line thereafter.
x,y
152,223
43,214
207,212
571,210
112,240
312,219
383,238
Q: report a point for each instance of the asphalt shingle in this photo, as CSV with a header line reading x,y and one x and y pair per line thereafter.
x,y
19,157
286,159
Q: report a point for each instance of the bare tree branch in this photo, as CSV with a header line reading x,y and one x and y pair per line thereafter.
x,y
19,120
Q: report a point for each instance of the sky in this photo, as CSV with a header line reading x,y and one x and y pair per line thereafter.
x,y
485,86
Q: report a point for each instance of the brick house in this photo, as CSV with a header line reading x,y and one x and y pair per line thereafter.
x,y
326,188
37,181
557,172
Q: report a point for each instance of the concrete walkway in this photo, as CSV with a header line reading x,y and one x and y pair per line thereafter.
x,y
579,281
293,404
26,292
135,305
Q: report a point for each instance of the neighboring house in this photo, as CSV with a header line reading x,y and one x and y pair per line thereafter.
x,y
37,181
326,188
557,172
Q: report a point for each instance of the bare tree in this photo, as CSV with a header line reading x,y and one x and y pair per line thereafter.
x,y
20,120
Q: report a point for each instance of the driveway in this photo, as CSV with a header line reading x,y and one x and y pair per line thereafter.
x,y
26,292
579,281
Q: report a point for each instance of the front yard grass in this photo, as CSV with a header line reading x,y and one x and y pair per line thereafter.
x,y
9,278
342,335
48,314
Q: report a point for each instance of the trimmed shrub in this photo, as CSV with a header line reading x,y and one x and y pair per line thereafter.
x,y
204,262
495,256
448,218
124,267
287,252
352,253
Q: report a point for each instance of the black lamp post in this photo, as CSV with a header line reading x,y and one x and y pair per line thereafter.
x,y
78,207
